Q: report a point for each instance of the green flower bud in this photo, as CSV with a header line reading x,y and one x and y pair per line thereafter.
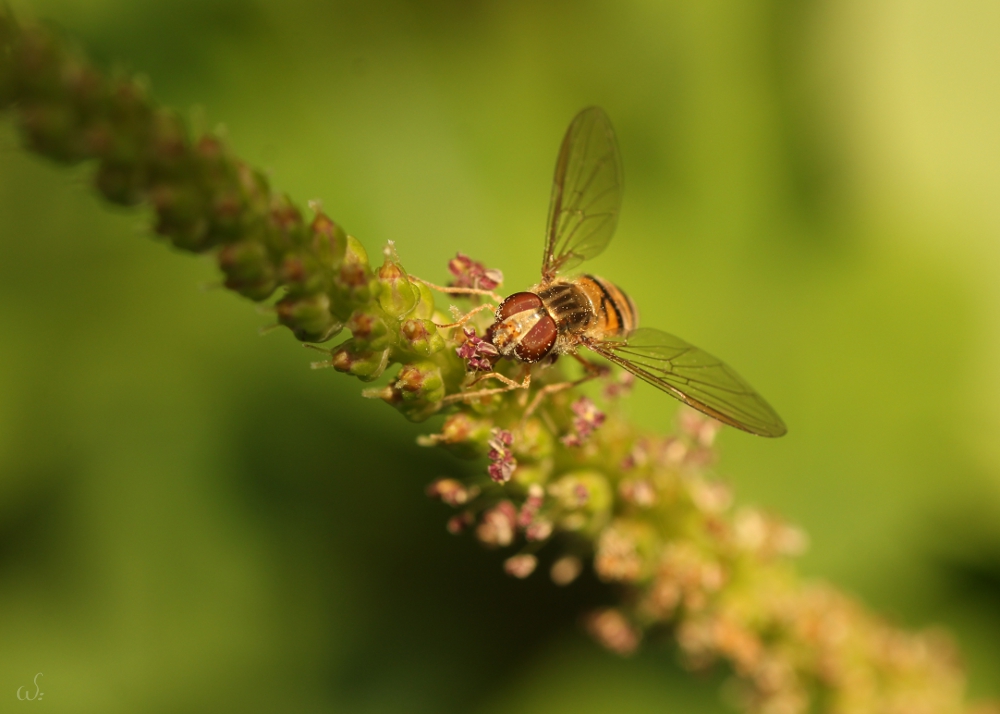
x,y
8,31
397,295
462,435
329,241
288,230
424,309
354,282
226,212
84,85
366,365
51,129
308,317
179,214
169,143
527,474
420,381
211,154
6,78
416,392
37,61
585,498
122,183
627,551
422,337
369,328
488,404
302,274
129,108
248,269
534,441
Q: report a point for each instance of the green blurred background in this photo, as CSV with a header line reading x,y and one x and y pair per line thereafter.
x,y
191,519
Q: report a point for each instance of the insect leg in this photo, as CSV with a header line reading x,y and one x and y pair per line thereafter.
x,y
465,318
592,372
461,291
509,383
325,363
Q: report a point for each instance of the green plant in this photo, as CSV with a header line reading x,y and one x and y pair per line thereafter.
x,y
575,476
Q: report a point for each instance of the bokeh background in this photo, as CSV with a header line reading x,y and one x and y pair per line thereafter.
x,y
192,520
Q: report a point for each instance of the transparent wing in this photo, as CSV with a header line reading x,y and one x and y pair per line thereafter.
x,y
586,193
695,377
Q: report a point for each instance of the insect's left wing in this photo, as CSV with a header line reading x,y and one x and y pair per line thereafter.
x,y
695,377
586,193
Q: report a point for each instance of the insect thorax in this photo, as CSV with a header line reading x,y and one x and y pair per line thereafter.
x,y
588,305
568,305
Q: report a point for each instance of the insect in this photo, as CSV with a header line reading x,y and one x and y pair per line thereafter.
x,y
561,314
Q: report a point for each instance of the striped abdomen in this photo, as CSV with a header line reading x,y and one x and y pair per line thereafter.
x,y
590,306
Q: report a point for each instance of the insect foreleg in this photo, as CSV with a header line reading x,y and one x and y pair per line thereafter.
x,y
461,291
593,371
509,383
465,318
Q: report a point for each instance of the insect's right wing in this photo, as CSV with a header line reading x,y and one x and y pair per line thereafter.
x,y
586,193
695,377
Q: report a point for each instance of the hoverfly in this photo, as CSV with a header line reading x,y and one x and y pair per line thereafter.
x,y
561,314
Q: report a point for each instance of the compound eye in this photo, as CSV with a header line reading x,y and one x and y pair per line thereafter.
x,y
539,341
518,302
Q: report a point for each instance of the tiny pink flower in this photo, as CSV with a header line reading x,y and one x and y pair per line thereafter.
x,y
470,273
536,495
611,629
588,418
458,524
620,386
502,462
538,530
497,526
520,566
450,491
477,352
700,428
